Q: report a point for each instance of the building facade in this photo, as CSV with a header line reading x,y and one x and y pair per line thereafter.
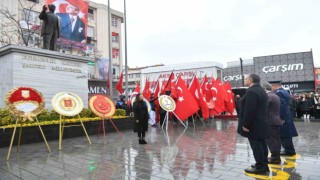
x,y
185,70
295,70
26,12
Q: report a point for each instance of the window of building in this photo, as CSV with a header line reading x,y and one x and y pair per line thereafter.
x,y
90,14
137,75
219,73
130,75
115,53
90,31
115,39
318,76
114,21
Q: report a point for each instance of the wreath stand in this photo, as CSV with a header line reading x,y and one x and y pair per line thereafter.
x,y
104,130
61,129
166,120
20,132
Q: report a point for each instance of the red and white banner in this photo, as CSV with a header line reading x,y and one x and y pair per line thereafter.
x,y
73,15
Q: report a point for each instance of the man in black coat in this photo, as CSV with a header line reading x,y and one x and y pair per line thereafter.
x,y
237,102
253,123
50,27
274,121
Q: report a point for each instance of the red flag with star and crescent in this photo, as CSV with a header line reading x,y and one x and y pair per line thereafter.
x,y
185,103
229,104
194,89
146,91
221,96
119,85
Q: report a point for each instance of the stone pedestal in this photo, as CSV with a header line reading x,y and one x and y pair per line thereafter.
x,y
47,71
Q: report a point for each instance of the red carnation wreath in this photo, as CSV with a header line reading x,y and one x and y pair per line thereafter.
x,y
102,106
25,102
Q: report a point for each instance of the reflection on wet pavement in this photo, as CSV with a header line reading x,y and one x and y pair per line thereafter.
x,y
214,151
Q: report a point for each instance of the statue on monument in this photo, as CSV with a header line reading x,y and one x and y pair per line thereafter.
x,y
50,27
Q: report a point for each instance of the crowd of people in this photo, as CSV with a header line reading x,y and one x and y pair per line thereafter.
x,y
266,120
305,106
265,112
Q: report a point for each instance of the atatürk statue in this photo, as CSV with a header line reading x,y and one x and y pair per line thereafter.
x,y
50,27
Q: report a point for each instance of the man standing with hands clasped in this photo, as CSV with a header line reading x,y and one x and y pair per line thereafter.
x,y
287,130
253,123
274,121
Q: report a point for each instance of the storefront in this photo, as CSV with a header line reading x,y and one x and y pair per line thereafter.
x,y
186,71
295,70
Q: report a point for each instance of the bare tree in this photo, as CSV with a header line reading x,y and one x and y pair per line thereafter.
x,y
21,26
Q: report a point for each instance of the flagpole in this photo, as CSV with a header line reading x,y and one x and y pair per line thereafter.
x,y
110,57
125,49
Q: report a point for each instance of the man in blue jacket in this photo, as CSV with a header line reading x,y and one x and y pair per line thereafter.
x,y
287,130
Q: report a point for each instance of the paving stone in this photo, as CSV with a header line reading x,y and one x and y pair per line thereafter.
x,y
213,152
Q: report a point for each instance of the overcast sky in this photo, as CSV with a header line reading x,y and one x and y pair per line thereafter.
x,y
179,31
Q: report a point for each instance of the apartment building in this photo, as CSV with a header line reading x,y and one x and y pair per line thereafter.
x,y
26,13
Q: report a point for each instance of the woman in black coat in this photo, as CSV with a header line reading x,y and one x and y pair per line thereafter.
x,y
305,105
141,117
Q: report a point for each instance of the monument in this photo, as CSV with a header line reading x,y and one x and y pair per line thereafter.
x,y
49,72
50,28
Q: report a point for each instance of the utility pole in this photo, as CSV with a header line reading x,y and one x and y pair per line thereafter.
x,y
110,55
126,52
242,77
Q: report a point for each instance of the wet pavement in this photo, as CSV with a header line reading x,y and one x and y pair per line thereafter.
x,y
214,151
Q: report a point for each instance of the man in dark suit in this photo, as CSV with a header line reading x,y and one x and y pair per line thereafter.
x,y
50,27
72,27
253,123
287,130
237,102
274,121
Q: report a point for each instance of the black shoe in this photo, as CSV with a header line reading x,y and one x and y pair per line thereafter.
x,y
254,170
140,142
284,153
143,141
274,161
253,166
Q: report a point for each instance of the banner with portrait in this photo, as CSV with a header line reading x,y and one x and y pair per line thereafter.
x,y
103,68
73,15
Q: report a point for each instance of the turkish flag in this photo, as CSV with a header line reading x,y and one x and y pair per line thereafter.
x,y
220,96
203,85
185,103
156,91
163,85
119,85
156,94
135,92
146,90
229,104
168,84
194,89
